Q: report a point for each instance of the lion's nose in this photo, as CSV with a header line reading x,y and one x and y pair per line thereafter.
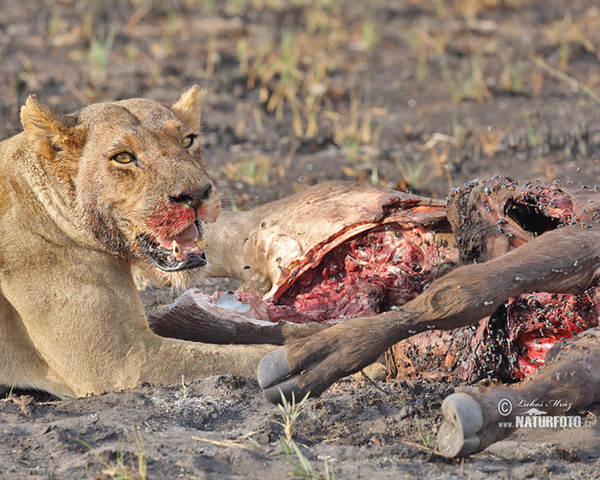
x,y
193,198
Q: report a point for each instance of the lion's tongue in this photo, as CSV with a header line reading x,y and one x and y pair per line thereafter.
x,y
187,237
183,243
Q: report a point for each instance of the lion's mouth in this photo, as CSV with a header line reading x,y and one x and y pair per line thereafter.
x,y
179,252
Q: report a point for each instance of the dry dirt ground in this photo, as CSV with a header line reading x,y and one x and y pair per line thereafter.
x,y
412,94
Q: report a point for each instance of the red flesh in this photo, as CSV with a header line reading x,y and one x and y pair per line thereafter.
x,y
385,266
537,321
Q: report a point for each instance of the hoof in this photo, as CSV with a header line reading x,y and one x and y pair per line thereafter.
x,y
463,420
275,377
273,368
288,388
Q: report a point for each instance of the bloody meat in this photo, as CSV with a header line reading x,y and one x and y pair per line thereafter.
x,y
370,273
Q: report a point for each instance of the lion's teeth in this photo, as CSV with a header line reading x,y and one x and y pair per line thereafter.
x,y
176,250
201,243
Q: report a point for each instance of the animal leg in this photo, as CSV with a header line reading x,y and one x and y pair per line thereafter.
x,y
21,366
477,417
116,350
183,319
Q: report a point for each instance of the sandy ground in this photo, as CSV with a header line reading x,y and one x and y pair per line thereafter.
x,y
221,427
500,111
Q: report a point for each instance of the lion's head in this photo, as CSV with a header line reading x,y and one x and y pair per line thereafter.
x,y
134,174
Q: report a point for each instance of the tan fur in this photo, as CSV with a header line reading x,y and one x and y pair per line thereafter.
x,y
71,321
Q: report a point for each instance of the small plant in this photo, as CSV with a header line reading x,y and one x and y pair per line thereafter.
x,y
366,171
57,25
567,78
569,32
532,135
467,83
425,43
121,470
490,139
9,393
183,386
253,171
99,53
289,414
424,435
369,37
512,77
352,127
302,466
412,176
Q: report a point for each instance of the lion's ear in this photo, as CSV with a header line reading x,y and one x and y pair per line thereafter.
x,y
189,106
51,130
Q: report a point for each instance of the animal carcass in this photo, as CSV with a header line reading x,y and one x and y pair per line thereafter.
x,y
339,251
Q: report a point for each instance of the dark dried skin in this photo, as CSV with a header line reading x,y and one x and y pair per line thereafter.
x,y
569,382
464,355
491,217
508,346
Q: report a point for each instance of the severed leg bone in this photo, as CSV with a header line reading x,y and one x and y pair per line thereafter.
x,y
191,318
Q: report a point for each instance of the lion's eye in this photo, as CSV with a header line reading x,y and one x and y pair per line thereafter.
x,y
124,157
188,141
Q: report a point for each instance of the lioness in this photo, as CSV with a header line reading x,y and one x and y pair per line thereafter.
x,y
82,196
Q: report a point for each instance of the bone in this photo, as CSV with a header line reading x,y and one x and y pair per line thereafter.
x,y
184,319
